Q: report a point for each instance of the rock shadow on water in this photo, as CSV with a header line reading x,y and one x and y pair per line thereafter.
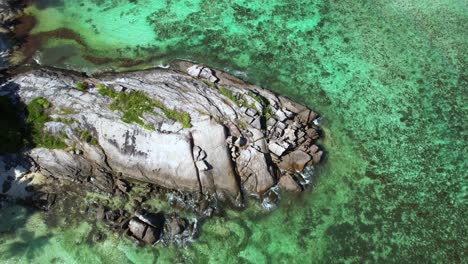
x,y
29,246
16,237
15,227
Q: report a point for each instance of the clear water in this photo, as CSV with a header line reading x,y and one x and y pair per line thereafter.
x,y
388,77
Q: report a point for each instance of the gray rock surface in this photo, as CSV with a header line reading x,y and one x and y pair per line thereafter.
x,y
222,154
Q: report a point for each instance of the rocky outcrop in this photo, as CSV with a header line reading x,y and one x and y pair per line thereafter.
x,y
8,14
206,132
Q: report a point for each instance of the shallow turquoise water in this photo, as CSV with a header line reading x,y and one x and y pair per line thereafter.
x,y
389,79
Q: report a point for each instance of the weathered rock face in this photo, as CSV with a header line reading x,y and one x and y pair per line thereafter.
x,y
241,139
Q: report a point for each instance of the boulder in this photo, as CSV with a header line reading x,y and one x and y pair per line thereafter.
x,y
137,228
288,113
251,112
221,177
271,122
277,148
306,116
295,160
291,105
288,183
119,88
149,156
194,70
255,171
280,115
202,72
312,149
208,74
60,163
147,227
317,157
312,133
256,122
281,125
151,235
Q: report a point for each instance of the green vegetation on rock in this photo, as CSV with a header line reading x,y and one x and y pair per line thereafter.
x,y
239,99
19,132
36,119
67,121
266,110
87,136
106,91
135,104
67,111
82,86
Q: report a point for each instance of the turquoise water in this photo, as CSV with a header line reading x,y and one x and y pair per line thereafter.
x,y
388,77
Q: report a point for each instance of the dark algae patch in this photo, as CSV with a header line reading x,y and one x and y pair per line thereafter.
x,y
388,78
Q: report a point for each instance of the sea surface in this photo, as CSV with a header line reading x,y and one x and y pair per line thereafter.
x,y
389,79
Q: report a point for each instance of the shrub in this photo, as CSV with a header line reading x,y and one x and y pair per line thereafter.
x,y
36,119
266,110
106,91
135,104
88,137
82,86
229,94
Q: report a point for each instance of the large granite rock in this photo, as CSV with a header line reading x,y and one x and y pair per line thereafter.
x,y
241,140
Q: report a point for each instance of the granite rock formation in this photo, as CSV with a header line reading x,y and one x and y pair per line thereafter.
x,y
206,133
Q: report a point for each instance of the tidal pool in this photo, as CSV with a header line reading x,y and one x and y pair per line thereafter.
x,y
388,77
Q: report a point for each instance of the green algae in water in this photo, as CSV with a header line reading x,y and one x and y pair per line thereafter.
x,y
389,79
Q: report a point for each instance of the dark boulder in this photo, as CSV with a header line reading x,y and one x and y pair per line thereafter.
x,y
143,231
